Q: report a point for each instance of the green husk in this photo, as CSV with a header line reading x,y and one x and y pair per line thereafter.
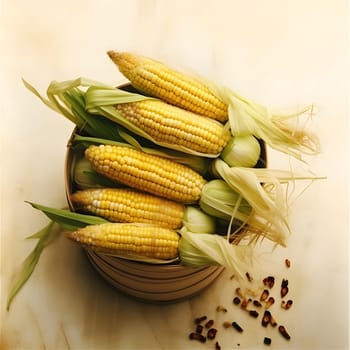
x,y
268,202
202,249
220,200
196,220
46,235
70,99
241,151
266,190
67,99
66,220
85,177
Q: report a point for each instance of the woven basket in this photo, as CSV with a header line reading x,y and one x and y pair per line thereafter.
x,y
152,283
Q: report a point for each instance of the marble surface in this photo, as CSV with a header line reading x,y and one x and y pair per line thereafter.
x,y
284,54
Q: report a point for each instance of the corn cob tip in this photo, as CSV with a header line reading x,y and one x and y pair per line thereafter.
x,y
123,60
113,54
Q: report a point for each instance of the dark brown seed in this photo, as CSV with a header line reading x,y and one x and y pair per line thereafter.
x,y
253,313
257,303
266,318
264,295
236,300
237,327
284,333
267,341
199,329
249,278
211,333
269,281
197,336
209,324
217,346
284,291
284,288
284,283
270,302
287,262
198,320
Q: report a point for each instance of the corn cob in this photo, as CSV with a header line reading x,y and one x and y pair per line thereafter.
x,y
172,125
126,205
129,239
146,172
156,79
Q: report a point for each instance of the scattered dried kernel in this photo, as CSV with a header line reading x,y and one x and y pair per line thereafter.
x,y
267,341
237,327
270,302
209,324
269,281
287,262
221,308
197,336
257,303
236,300
253,313
264,295
273,322
286,305
284,288
284,332
227,324
211,333
266,318
249,278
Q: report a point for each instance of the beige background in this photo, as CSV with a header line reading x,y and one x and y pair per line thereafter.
x,y
282,53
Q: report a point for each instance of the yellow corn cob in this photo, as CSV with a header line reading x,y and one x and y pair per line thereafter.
x,y
126,205
146,172
156,79
175,126
129,239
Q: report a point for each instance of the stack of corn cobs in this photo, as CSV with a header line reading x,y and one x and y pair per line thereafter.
x,y
172,166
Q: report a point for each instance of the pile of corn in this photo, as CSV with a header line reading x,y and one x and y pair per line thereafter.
x,y
170,168
177,165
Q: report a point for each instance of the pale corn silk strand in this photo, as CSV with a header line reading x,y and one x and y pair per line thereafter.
x,y
249,118
269,192
270,205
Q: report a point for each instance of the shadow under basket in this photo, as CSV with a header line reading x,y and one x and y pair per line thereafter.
x,y
159,284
